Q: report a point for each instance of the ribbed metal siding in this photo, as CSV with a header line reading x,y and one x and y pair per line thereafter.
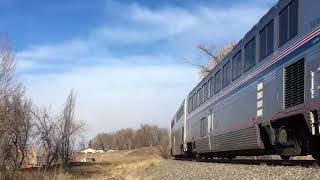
x,y
294,84
248,138
202,145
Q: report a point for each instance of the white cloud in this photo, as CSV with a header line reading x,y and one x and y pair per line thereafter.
x,y
215,24
143,25
173,20
69,50
119,96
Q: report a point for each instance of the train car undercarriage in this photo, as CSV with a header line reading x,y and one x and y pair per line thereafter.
x,y
296,135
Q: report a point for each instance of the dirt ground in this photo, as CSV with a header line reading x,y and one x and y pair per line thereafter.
x,y
111,165
117,165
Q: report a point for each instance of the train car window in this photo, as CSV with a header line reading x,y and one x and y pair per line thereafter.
x,y
250,54
288,20
293,19
194,102
203,127
226,74
205,92
198,98
266,40
180,113
217,82
237,65
208,91
201,96
191,108
283,26
211,88
270,38
190,105
263,43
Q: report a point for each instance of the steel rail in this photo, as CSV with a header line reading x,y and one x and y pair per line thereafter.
x,y
303,163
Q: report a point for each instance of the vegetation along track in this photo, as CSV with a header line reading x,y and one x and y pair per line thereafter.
x,y
303,163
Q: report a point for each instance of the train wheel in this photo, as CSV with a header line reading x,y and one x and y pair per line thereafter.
x,y
231,157
316,156
285,157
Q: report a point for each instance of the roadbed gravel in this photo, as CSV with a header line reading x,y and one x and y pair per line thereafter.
x,y
173,169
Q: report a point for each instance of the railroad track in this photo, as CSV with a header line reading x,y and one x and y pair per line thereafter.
x,y
303,163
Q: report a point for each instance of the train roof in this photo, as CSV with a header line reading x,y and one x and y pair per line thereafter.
x,y
181,105
264,20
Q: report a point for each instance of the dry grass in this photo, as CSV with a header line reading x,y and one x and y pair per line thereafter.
x,y
19,175
115,165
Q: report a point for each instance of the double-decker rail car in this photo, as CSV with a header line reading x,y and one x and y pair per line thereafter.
x,y
264,97
177,131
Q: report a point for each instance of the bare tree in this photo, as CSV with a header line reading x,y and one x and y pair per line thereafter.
x,y
82,143
18,123
105,141
7,64
98,141
69,128
126,139
20,120
20,129
56,135
47,132
15,118
6,72
90,144
215,57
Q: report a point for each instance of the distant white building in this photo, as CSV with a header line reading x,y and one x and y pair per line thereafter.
x,y
89,150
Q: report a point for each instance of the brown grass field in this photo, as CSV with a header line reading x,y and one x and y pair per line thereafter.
x,y
113,165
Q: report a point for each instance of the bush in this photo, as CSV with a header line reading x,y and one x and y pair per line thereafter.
x,y
164,151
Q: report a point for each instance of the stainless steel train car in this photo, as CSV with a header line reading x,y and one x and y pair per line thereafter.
x,y
263,98
177,131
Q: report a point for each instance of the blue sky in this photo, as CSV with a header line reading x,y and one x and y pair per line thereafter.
x,y
125,59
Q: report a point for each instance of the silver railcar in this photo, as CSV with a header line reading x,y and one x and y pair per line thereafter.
x,y
264,98
177,131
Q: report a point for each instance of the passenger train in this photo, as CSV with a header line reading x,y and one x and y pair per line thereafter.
x,y
264,97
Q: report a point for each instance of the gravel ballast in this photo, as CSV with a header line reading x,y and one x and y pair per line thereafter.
x,y
172,169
